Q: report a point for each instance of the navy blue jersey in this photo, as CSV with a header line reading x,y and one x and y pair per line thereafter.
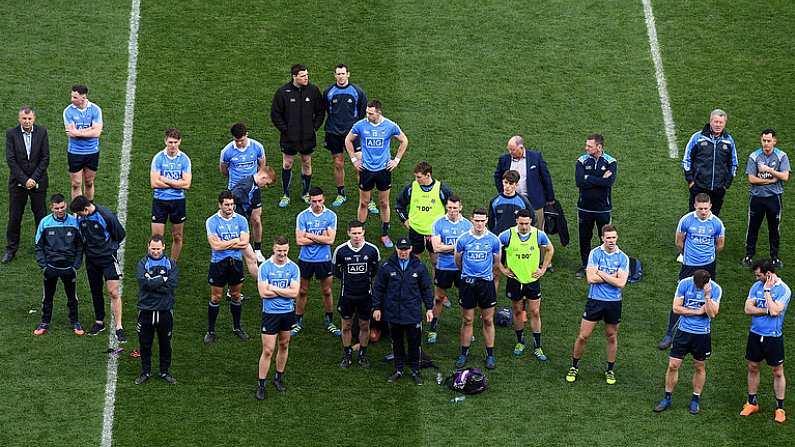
x,y
356,267
345,106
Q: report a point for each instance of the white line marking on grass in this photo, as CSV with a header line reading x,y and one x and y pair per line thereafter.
x,y
121,211
662,85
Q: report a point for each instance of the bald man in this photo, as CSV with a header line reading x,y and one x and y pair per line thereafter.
x,y
535,183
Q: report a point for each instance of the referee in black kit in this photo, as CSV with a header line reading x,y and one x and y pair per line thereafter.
x,y
158,277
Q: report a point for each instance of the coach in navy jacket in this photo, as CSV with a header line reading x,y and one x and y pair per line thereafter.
x,y
534,182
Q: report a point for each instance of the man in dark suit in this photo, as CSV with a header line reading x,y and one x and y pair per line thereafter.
x,y
535,183
28,155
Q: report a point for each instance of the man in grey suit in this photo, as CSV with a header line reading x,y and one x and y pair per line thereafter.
x,y
28,155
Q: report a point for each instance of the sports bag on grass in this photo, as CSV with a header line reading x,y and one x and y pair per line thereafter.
x,y
468,381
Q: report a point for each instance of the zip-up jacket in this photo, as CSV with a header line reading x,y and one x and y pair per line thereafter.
x,y
403,201
399,294
595,190
157,283
102,233
297,113
344,106
710,162
58,243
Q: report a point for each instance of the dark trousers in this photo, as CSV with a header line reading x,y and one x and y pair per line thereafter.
x,y
586,221
96,283
17,199
715,196
149,323
413,336
758,209
69,280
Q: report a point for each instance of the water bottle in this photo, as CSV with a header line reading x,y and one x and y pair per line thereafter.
x,y
439,378
457,399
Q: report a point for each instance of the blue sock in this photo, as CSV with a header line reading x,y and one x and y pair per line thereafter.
x,y
341,191
520,336
236,309
212,315
384,228
668,395
575,362
261,382
287,175
780,403
752,399
696,397
299,319
278,376
465,350
490,351
328,317
537,339
610,365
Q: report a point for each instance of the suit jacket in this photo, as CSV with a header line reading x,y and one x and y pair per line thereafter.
x,y
539,182
20,167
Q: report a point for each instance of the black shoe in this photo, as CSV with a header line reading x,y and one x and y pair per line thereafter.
x,y
96,328
580,273
8,257
415,375
241,334
168,378
395,377
364,362
279,385
120,336
747,261
346,362
140,380
209,338
260,392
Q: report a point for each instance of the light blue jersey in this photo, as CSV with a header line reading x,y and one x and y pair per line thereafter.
x,y
693,298
173,168
242,162
777,160
226,229
449,232
316,224
82,119
477,254
767,325
376,139
609,263
280,276
700,238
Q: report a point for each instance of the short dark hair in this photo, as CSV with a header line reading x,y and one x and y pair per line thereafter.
x,y
609,227
238,130
280,240
700,278
511,176
79,204
57,198
28,109
224,195
480,212
597,138
315,191
524,212
174,133
355,224
297,68
342,66
157,238
423,168
764,266
702,197
769,131
80,88
376,104
453,198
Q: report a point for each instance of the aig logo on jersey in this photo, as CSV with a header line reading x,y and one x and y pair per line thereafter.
x,y
357,268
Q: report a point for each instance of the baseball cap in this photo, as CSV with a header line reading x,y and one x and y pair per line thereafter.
x,y
403,243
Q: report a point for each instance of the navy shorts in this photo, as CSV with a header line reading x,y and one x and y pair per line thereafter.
x,y
767,348
109,268
597,310
79,161
381,180
475,292
698,345
272,324
336,143
359,305
419,243
168,210
517,291
320,270
445,279
228,271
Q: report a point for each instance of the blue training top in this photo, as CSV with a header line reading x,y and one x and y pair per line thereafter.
x,y
376,139
693,298
477,254
700,238
313,223
768,325
449,232
278,276
226,229
242,162
172,168
609,263
82,119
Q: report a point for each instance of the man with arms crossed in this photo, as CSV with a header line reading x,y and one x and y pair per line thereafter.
x,y
82,120
170,175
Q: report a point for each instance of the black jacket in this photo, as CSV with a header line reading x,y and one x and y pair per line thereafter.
x,y
157,283
102,233
58,243
21,168
399,294
297,113
555,222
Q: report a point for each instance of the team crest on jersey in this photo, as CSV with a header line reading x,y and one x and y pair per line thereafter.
x,y
292,99
350,101
725,147
306,100
703,143
414,275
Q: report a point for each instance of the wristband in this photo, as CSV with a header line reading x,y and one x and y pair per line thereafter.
x,y
353,159
397,159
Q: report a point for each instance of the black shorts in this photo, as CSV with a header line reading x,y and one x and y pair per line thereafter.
x,y
445,279
320,270
79,161
294,151
597,310
687,270
228,271
765,348
256,200
109,268
475,292
517,291
698,345
381,180
272,324
336,143
419,243
168,210
359,305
